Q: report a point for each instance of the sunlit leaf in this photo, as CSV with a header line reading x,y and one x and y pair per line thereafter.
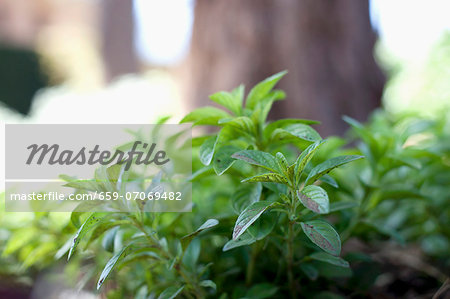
x,y
284,122
259,158
328,166
314,198
283,165
90,222
108,239
295,133
305,157
223,158
242,124
188,238
245,195
171,292
267,177
228,101
207,150
261,90
205,116
208,284
249,216
110,266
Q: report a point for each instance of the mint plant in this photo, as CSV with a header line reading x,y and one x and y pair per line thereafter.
x,y
134,233
270,214
399,187
290,190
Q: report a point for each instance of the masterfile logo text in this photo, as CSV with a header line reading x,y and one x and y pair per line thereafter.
x,y
105,165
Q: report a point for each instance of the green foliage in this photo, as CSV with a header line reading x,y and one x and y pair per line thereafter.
x,y
281,188
274,205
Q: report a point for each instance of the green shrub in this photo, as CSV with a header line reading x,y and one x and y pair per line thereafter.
x,y
270,211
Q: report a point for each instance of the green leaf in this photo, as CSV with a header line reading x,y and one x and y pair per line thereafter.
x,y
207,150
205,116
188,238
19,239
284,122
283,165
408,161
242,123
305,157
259,158
329,165
171,292
329,180
365,135
108,239
115,172
261,90
103,227
63,249
296,131
263,226
261,291
261,111
101,176
198,141
81,209
328,258
238,94
249,216
191,254
267,177
90,222
37,254
314,198
342,205
245,195
109,266
309,271
88,185
323,235
243,240
223,160
201,173
228,101
163,119
208,284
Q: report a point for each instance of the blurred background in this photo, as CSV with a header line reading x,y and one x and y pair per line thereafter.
x,y
110,61
125,61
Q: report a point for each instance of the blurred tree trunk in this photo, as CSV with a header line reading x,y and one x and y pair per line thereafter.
x,y
327,46
117,28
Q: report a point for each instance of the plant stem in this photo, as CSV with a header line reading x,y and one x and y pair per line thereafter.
x,y
196,290
290,259
251,264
